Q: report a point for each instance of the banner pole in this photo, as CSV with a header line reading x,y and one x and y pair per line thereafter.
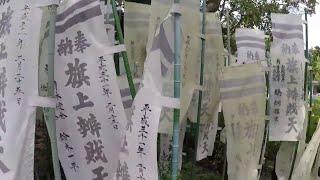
x,y
123,53
310,72
50,112
202,59
177,83
227,63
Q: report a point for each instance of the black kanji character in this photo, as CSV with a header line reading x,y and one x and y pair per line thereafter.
x,y
292,65
292,94
76,74
82,102
3,110
5,24
80,42
205,147
99,174
91,125
65,47
74,166
94,152
292,109
64,136
3,53
3,81
291,125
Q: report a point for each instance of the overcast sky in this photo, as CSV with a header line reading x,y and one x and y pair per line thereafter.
x,y
314,28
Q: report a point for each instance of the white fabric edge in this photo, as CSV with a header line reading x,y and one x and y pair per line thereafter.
x,y
43,3
115,49
169,102
38,101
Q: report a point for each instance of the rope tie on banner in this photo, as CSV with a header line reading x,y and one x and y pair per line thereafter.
x,y
43,3
267,68
115,49
202,36
199,88
267,118
169,102
175,9
38,101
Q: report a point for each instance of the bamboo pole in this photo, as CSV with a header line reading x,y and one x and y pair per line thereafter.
x,y
228,62
202,59
177,83
310,73
50,112
124,53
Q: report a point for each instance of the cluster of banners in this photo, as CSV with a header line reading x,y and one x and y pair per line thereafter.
x,y
103,133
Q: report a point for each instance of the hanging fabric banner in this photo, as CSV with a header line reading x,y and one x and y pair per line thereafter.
x,y
287,109
126,97
108,21
190,21
250,46
19,41
165,154
307,160
136,24
289,152
243,103
214,61
207,137
138,157
90,115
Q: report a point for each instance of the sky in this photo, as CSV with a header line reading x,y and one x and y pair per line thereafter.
x,y
314,28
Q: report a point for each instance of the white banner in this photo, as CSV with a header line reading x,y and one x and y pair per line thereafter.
x,y
303,170
250,46
207,137
19,45
138,157
190,53
136,25
165,154
210,90
287,109
243,103
90,115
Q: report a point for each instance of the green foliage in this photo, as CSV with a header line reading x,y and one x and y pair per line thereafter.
x,y
200,173
252,14
315,55
315,116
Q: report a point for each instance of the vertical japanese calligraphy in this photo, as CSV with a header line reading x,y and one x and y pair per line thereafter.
x,y
90,117
286,80
138,157
243,103
19,38
136,24
161,38
210,92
